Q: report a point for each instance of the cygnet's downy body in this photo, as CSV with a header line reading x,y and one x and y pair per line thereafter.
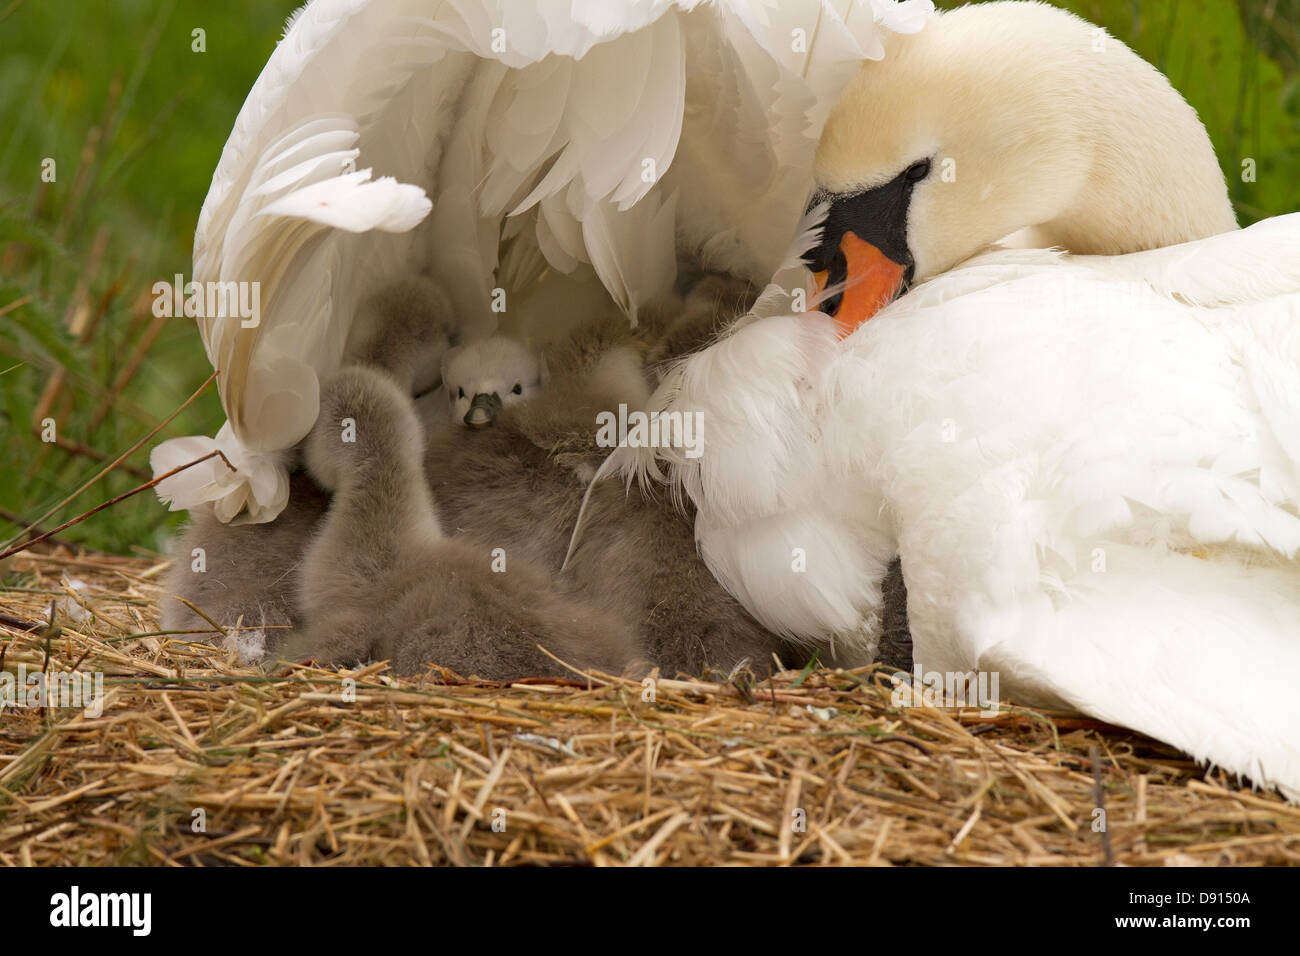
x,y
517,487
507,497
404,328
243,577
381,581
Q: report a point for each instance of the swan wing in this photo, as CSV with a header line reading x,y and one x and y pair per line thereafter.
x,y
1091,481
606,138
1255,264
1095,496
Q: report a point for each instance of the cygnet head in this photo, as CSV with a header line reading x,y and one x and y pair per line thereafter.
x,y
484,377
993,118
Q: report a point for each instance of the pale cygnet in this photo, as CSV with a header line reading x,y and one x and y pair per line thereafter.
x,y
483,377
510,496
244,574
380,580
513,486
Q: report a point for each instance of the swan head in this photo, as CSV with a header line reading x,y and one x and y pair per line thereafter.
x,y
484,377
999,117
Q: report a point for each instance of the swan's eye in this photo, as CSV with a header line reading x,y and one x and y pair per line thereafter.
x,y
517,390
917,171
461,391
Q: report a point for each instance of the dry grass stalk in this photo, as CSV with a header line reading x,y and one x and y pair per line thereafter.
x,y
444,770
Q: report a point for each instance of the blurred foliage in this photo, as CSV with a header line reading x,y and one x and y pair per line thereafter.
x,y
135,120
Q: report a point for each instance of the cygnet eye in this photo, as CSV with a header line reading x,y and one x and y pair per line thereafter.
x,y
917,171
461,391
517,390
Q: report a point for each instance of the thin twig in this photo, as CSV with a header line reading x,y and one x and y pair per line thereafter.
x,y
15,304
1099,796
19,624
18,521
76,448
113,464
112,501
587,674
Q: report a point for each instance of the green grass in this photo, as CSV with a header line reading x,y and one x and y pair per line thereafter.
x,y
135,120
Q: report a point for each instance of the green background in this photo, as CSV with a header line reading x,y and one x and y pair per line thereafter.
x,y
135,120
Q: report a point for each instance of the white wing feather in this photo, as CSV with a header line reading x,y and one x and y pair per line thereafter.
x,y
600,137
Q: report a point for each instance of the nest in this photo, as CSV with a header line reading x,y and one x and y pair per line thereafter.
x,y
196,761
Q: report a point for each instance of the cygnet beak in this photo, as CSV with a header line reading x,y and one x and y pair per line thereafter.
x,y
483,410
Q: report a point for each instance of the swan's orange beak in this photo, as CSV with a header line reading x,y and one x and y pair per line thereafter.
x,y
871,282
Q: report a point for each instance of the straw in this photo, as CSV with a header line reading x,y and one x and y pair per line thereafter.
x,y
196,761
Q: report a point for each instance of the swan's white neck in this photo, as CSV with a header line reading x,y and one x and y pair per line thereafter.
x,y
1152,178
1032,118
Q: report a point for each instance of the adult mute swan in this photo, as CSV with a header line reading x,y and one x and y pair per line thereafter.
x,y
1089,462
532,158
